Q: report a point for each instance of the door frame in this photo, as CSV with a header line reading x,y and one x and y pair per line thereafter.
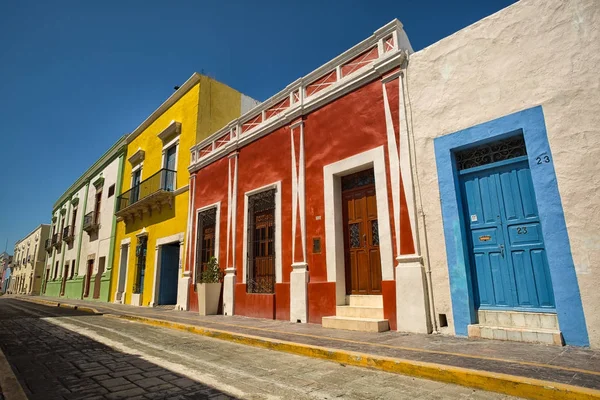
x,y
177,238
334,230
531,124
122,276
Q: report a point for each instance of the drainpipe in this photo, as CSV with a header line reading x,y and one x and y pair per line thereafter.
x,y
413,154
113,234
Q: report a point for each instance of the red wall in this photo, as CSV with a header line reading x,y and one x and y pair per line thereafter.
x,y
352,124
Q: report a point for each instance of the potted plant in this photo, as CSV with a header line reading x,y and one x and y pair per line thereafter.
x,y
209,288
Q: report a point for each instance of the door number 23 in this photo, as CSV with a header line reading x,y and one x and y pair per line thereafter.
x,y
522,230
542,159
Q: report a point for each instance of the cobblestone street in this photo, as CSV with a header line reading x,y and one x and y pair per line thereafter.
x,y
65,354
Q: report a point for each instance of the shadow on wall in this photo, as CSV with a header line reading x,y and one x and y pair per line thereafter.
x,y
157,217
55,363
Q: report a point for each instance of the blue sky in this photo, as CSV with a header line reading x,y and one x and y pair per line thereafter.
x,y
76,75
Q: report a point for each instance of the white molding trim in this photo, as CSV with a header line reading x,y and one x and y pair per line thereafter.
x,y
385,61
216,205
231,209
178,94
298,191
394,161
124,243
334,233
137,157
173,129
278,261
176,238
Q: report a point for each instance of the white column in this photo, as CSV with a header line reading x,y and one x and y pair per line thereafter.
x,y
229,291
230,273
299,275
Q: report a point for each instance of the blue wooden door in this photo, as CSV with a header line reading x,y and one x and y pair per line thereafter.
x,y
507,251
169,274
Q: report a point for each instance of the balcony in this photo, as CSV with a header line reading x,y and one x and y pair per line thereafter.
x,y
48,245
91,222
56,240
148,195
68,234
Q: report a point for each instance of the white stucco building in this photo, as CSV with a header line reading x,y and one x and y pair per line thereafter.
x,y
82,233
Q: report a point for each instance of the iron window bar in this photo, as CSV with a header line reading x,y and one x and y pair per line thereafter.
x,y
205,247
261,243
163,180
140,264
488,153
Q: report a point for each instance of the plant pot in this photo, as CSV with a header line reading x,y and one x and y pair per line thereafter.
x,y
208,298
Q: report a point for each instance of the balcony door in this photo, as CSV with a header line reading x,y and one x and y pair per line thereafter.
x,y
169,177
135,186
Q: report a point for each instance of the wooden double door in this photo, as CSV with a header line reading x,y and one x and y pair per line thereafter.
x,y
361,239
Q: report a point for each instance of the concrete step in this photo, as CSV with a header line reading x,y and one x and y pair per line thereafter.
x,y
355,300
545,336
356,324
518,319
359,312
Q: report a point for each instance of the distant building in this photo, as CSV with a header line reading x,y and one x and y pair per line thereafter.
x,y
5,267
28,262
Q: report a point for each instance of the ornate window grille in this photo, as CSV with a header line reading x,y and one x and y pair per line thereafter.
x,y
488,153
205,237
362,178
140,264
261,243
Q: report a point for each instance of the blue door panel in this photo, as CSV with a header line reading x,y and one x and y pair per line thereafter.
x,y
527,195
524,280
169,274
512,207
542,277
506,240
484,279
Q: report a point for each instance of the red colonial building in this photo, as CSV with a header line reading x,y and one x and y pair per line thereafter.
x,y
307,200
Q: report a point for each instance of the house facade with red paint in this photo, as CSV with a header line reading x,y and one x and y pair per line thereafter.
x,y
307,202
450,190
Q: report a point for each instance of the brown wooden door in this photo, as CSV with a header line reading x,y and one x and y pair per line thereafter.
x,y
361,241
64,280
88,278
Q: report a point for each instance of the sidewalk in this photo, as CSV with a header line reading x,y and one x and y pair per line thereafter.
x,y
519,369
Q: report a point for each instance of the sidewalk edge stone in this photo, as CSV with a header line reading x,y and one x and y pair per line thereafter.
x,y
9,384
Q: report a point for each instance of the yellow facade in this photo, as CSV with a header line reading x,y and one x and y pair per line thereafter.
x,y
202,106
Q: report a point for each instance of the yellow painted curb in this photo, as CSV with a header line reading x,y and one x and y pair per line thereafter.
x,y
495,382
63,305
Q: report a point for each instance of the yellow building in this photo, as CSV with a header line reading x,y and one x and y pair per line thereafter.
x,y
152,211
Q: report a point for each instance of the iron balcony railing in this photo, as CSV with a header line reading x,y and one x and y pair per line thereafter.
x,y
49,245
163,180
56,239
68,233
91,221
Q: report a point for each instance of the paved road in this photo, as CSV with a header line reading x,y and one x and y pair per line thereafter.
x,y
67,354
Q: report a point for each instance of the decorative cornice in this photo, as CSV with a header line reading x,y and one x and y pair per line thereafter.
x,y
137,157
179,93
99,182
370,59
115,150
170,131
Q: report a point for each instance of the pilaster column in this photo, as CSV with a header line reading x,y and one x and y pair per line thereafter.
x,y
230,270
299,276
